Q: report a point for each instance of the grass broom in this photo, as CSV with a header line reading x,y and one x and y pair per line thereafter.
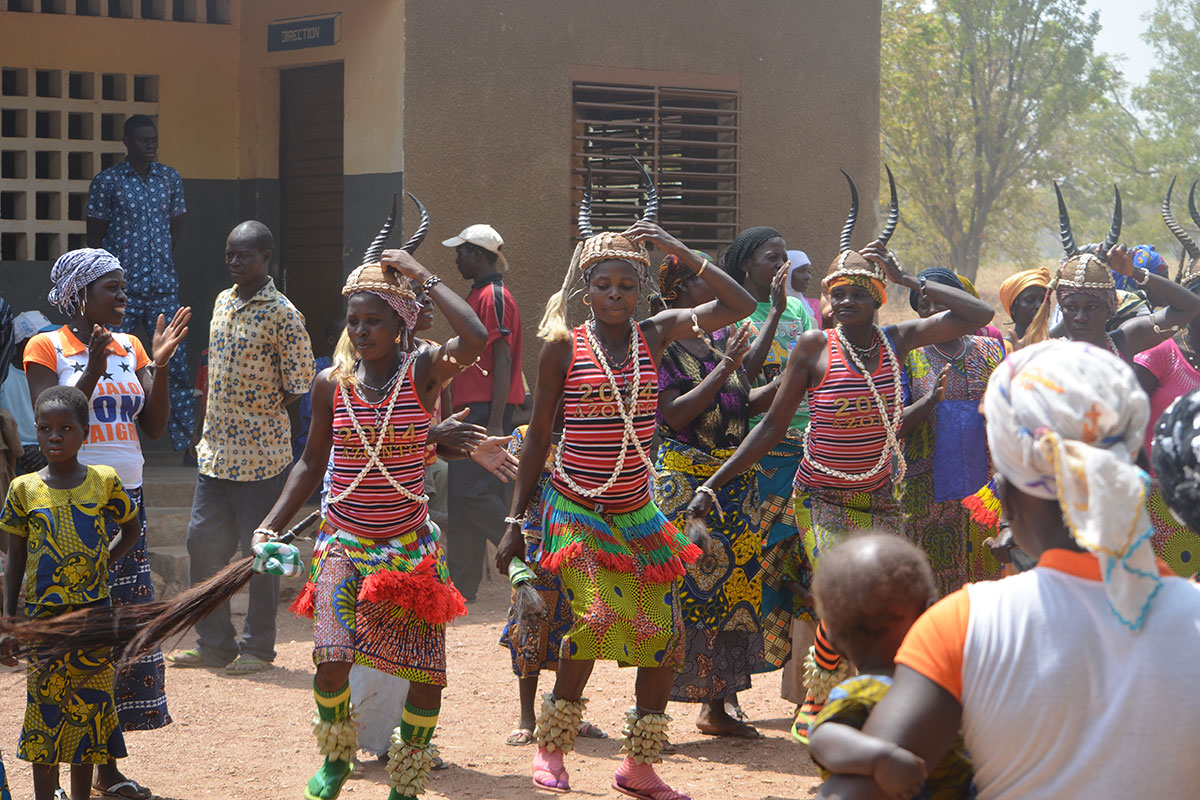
x,y
131,630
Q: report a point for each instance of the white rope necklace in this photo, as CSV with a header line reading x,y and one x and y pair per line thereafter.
x,y
629,434
890,426
373,451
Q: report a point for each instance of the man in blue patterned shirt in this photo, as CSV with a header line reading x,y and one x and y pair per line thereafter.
x,y
134,211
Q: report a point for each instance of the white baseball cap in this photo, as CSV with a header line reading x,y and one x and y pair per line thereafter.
x,y
480,235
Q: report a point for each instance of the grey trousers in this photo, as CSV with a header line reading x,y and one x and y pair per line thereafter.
x,y
224,516
477,503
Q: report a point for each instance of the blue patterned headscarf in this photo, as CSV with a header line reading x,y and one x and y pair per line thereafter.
x,y
72,273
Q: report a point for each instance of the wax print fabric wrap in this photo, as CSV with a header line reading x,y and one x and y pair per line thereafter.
x,y
947,460
721,595
1176,461
783,551
619,570
277,558
826,516
1064,422
382,603
72,273
537,649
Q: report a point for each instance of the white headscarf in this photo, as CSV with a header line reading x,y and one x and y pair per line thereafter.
x,y
1064,422
799,259
72,273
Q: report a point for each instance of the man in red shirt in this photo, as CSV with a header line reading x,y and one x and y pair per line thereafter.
x,y
492,388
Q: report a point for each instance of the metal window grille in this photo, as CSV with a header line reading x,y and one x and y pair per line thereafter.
x,y
58,128
687,138
213,12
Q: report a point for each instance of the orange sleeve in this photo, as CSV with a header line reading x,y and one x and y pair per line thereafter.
x,y
139,353
40,350
934,644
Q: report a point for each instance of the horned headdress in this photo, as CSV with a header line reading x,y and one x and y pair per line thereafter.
x,y
1189,265
851,266
594,248
385,280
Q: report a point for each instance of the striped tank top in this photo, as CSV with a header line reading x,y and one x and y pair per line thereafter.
x,y
845,432
375,509
592,427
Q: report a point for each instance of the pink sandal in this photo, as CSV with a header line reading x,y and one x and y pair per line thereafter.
x,y
549,774
642,782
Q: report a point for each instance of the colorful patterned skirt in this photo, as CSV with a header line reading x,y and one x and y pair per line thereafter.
x,y
944,531
141,689
1175,544
619,572
70,714
4,794
721,594
833,514
381,603
781,555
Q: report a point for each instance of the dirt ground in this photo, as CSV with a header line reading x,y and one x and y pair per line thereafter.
x,y
249,737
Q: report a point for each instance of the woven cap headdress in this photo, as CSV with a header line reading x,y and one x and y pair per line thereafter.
x,y
851,266
593,249
1189,265
386,281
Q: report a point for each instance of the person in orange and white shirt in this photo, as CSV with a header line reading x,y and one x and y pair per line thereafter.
x,y
114,371
1074,679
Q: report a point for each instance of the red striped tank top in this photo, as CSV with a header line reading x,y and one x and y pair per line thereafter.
x,y
374,509
592,427
845,432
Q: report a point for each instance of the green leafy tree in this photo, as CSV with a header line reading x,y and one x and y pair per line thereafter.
x,y
976,96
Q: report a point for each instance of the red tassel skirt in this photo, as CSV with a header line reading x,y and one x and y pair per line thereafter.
x,y
381,603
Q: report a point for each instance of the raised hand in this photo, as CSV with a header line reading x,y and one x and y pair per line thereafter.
x,y
1120,260
403,262
737,348
643,231
879,254
98,349
779,294
455,433
168,336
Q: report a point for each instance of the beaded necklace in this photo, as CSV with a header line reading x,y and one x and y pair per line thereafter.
x,y
625,409
373,451
891,426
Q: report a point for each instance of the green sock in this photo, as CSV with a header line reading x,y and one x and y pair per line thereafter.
x,y
416,729
333,706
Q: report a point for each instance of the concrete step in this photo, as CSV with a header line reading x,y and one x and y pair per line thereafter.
x,y
167,526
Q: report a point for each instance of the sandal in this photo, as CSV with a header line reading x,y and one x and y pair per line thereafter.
x,y
519,737
590,731
126,790
549,774
247,665
190,658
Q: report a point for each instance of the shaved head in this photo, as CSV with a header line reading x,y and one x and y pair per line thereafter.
x,y
253,233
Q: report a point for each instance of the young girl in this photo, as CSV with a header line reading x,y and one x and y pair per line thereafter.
x,y
59,544
379,592
869,592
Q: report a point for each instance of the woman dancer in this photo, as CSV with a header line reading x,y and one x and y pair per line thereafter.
x,y
1021,295
1167,371
845,478
379,590
1087,295
114,373
704,407
946,452
615,552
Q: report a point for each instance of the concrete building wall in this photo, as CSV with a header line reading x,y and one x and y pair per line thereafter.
x,y
488,110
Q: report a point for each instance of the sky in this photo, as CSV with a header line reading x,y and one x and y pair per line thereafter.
x,y
1120,34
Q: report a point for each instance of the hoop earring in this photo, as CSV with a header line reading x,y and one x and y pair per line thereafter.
x,y
586,301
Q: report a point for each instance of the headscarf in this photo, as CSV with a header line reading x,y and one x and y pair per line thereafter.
x,y
1013,285
388,284
940,275
1129,305
852,269
1144,257
744,246
1175,456
673,272
1064,422
72,273
798,259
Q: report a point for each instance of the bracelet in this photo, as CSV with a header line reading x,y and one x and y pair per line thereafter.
x,y
267,531
1145,277
696,329
702,489
921,281
703,266
160,366
430,282
514,521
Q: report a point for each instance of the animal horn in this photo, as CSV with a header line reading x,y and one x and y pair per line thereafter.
x,y
852,217
1114,231
422,231
893,211
585,208
375,251
651,212
1188,243
1192,203
1064,224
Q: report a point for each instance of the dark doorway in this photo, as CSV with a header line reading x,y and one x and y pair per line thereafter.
x,y
310,177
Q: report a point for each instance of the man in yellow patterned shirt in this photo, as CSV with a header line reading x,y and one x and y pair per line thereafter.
x,y
259,360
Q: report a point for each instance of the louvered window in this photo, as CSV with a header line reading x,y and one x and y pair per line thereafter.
x,y
687,138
